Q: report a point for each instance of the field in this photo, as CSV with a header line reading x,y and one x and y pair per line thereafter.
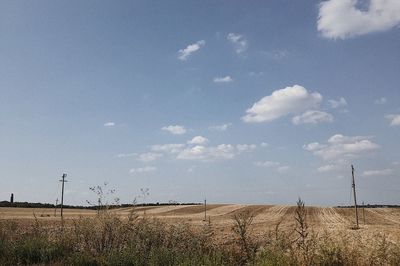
x,y
179,235
266,217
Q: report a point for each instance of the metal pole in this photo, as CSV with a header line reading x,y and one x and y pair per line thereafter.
x,y
354,192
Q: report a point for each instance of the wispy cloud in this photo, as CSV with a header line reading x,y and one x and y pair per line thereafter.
x,y
143,169
290,100
221,127
338,103
245,147
109,124
277,166
149,156
341,19
183,54
172,148
381,100
175,129
312,117
382,172
125,155
238,41
225,79
394,119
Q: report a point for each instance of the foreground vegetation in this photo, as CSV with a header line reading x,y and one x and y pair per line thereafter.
x,y
110,240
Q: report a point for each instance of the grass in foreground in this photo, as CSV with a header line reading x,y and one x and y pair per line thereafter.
x,y
109,240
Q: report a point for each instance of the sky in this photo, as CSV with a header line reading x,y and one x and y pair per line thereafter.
x,y
256,102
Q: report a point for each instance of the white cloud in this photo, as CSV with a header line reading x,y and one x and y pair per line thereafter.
x,y
383,172
245,147
200,140
149,156
312,117
341,147
276,54
341,19
198,152
313,146
264,144
168,148
239,41
290,100
183,54
381,100
225,79
267,164
221,127
277,166
327,168
125,155
175,129
109,124
143,169
336,104
394,119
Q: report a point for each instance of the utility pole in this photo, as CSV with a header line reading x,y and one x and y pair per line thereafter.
x,y
62,194
55,208
363,211
354,192
205,209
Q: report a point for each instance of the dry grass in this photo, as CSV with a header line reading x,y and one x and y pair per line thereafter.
x,y
234,235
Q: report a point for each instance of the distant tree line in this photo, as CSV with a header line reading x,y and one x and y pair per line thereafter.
x,y
371,206
48,205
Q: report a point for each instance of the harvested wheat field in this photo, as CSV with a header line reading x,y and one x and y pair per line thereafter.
x,y
220,216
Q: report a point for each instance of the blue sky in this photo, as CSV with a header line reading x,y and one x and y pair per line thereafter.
x,y
239,102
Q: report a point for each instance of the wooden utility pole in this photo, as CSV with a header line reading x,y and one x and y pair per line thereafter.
x,y
354,192
55,208
205,209
363,211
62,194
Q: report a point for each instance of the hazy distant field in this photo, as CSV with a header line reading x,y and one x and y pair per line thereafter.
x,y
385,220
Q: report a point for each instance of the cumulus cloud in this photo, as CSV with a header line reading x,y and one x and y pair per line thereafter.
x,y
225,79
341,19
183,54
221,127
149,156
383,172
277,166
238,41
109,124
175,129
312,117
394,119
290,100
198,140
143,169
338,103
340,147
381,100
199,152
